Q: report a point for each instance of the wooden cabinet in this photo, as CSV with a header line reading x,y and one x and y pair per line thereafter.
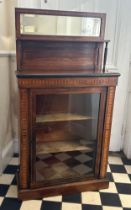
x,y
66,103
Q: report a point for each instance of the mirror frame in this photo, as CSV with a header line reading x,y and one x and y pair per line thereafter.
x,y
19,11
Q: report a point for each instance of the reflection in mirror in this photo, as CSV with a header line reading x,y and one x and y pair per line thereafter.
x,y
59,25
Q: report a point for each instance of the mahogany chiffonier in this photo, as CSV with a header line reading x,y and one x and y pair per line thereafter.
x,y
66,102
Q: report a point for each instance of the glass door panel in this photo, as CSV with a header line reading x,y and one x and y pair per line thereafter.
x,y
66,136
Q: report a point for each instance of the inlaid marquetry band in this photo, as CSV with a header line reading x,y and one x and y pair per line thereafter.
x,y
107,131
24,139
66,82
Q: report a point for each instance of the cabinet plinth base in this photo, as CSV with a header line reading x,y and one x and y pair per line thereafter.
x,y
63,189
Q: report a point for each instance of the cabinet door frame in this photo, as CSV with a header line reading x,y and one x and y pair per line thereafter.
x,y
102,107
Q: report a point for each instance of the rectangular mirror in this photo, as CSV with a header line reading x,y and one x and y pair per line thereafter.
x,y
35,24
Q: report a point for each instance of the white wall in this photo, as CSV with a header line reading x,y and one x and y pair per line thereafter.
x,y
4,42
118,30
6,140
10,12
127,136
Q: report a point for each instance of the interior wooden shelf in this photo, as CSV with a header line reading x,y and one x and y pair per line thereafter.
x,y
60,117
64,146
60,38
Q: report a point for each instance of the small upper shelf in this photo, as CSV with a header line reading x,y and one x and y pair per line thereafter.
x,y
60,117
29,37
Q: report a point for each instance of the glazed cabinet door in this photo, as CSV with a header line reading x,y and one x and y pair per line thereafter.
x,y
66,134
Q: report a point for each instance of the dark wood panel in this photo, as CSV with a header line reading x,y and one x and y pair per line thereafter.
x,y
58,56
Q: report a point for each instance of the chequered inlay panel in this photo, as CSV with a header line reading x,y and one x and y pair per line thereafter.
x,y
64,165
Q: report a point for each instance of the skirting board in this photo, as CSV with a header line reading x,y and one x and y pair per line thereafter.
x,y
16,145
6,155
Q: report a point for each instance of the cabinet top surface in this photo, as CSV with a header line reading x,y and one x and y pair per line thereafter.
x,y
29,74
